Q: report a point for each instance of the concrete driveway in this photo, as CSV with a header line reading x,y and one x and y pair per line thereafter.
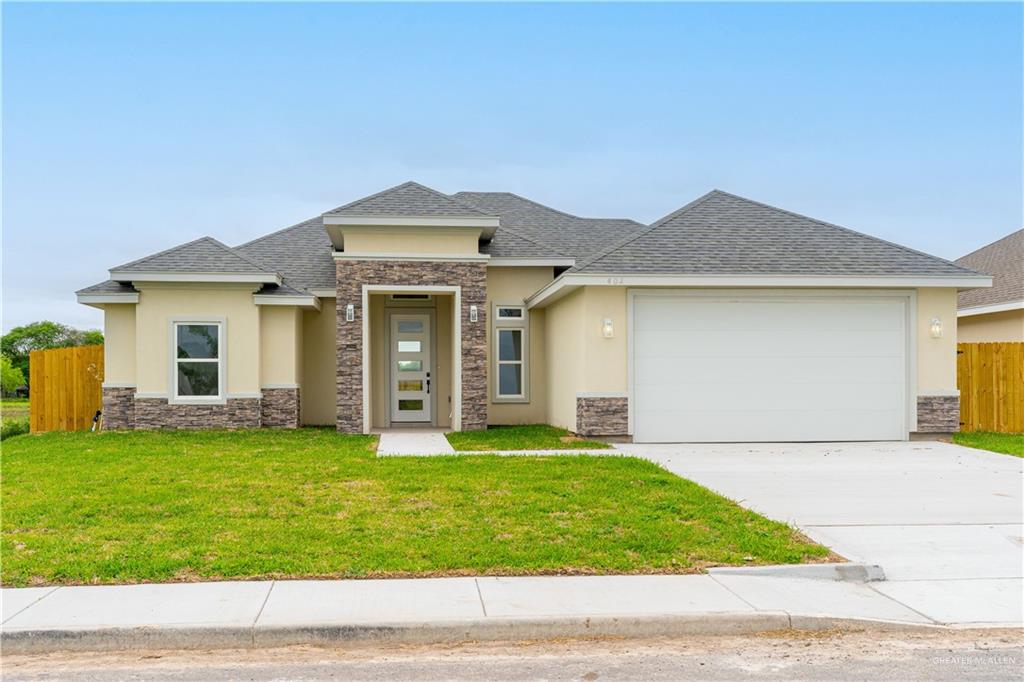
x,y
943,521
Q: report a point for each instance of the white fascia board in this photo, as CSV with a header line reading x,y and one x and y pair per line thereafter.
x,y
566,283
100,299
300,301
501,262
994,308
142,276
483,222
324,293
470,257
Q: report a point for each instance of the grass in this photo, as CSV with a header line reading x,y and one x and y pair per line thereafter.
x,y
13,417
1006,443
531,437
175,506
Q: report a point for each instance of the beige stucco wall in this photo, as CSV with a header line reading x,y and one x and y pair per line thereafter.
x,y
319,356
1004,326
565,361
936,358
280,346
419,240
119,344
159,303
510,286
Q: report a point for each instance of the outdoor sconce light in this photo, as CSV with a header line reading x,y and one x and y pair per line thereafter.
x,y
607,330
473,314
936,328
350,313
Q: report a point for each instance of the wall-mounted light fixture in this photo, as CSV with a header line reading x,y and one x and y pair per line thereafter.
x,y
936,328
607,330
473,314
350,313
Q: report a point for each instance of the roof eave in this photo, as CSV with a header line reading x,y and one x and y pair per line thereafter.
x,y
990,308
202,277
101,299
570,281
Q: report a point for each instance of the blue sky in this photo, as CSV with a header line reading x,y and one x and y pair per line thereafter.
x,y
130,128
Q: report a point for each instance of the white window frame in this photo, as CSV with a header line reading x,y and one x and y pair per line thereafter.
x,y
522,325
172,348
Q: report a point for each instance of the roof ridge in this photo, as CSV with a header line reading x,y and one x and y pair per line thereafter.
x,y
247,259
277,232
165,251
408,183
990,244
648,229
844,229
510,230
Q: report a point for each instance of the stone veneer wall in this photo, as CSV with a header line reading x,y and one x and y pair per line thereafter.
x,y
938,413
602,416
353,274
236,413
119,408
280,408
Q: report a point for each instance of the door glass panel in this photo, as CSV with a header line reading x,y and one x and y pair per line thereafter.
x,y
410,385
410,326
408,346
408,405
510,379
510,344
410,365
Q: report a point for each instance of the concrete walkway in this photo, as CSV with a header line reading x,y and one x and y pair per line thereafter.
x,y
414,442
232,614
943,521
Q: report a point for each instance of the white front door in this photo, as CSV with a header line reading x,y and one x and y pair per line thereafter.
x,y
411,389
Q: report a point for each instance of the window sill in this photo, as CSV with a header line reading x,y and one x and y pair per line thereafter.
x,y
510,400
198,401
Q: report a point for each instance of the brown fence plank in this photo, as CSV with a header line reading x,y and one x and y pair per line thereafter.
x,y
66,388
990,377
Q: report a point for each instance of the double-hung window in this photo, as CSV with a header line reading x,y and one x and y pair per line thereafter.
x,y
198,361
510,353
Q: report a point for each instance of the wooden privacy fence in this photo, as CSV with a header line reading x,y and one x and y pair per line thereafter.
x,y
990,377
65,388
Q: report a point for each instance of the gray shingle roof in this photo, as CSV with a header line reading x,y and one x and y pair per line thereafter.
x,y
407,199
205,255
301,253
566,234
723,234
109,287
1004,260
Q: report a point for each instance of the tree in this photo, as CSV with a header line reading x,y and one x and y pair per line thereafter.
x,y
11,377
20,341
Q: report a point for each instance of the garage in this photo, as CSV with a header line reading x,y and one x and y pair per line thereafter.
x,y
758,365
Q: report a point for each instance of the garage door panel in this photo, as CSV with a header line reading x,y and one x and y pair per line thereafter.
x,y
771,343
760,368
770,397
790,370
757,425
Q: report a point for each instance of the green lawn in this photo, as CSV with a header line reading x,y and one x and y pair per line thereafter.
x,y
13,417
531,437
1006,443
163,506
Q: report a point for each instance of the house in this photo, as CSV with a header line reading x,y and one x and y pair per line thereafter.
x,y
727,320
997,313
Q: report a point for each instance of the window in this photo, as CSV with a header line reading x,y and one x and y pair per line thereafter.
x,y
510,351
197,360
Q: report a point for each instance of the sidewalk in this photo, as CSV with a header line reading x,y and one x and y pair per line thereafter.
x,y
245,614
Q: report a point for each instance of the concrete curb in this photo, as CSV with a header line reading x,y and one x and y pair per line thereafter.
x,y
849,572
446,632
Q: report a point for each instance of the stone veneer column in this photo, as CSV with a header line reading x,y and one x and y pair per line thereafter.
x,y
353,274
938,413
236,413
280,408
602,415
118,408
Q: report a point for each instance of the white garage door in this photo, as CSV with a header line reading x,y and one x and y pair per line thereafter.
x,y
748,367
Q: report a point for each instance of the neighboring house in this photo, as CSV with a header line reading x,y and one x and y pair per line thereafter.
x,y
727,320
995,314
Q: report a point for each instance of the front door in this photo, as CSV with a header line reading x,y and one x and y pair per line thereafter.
x,y
410,368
